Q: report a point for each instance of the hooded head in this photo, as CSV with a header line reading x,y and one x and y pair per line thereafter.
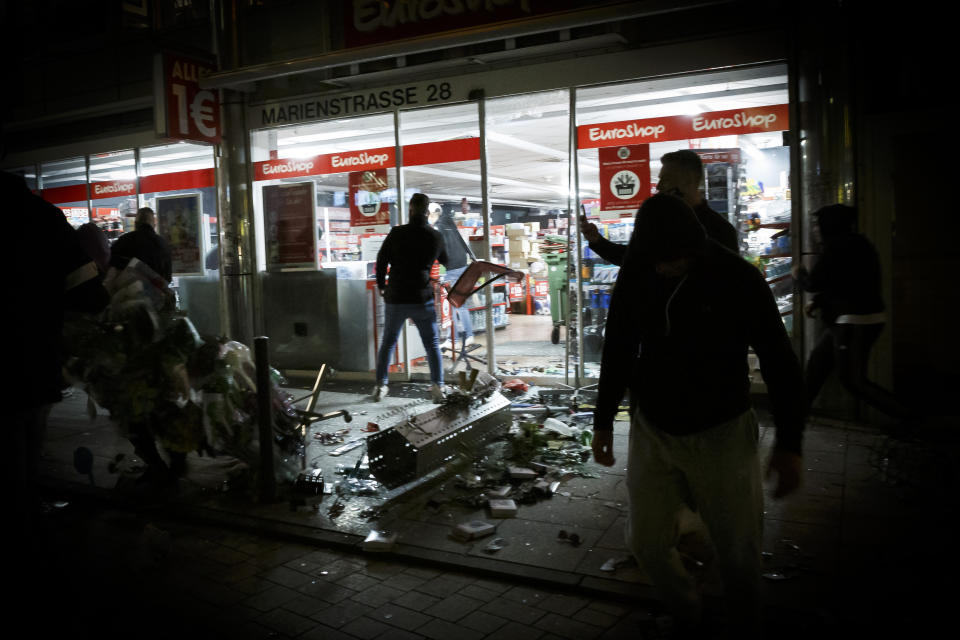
x,y
418,208
666,230
836,220
146,218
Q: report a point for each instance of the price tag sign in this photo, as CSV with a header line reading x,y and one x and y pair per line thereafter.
x,y
184,110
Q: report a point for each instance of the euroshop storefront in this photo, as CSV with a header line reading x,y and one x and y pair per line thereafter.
x,y
331,174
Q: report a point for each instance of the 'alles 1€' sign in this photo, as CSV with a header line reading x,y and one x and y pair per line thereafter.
x,y
184,110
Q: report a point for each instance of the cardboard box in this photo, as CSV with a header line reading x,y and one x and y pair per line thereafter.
x,y
504,508
517,263
514,232
473,530
534,227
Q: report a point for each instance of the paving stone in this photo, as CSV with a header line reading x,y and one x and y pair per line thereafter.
x,y
596,618
443,630
326,591
453,607
482,621
416,600
382,570
280,555
377,595
239,572
498,586
306,605
516,611
226,555
338,570
286,576
478,593
338,615
442,586
403,581
398,616
518,631
271,598
286,622
525,595
358,582
566,627
399,634
323,632
365,628
608,608
562,604
426,574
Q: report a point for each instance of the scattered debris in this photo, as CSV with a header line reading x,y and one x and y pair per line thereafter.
x,y
380,541
495,545
522,473
502,508
310,482
517,385
613,564
572,538
350,446
466,531
371,427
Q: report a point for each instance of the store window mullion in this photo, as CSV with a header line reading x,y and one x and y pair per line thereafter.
x,y
401,219
486,248
86,163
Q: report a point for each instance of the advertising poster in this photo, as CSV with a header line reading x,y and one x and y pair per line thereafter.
x,y
180,223
366,205
624,177
291,226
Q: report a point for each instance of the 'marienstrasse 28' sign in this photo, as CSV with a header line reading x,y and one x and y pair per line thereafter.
x,y
355,103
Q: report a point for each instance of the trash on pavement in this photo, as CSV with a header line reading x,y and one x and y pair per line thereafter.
x,y
502,508
380,541
466,531
495,545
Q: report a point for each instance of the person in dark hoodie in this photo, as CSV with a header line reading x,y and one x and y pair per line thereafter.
x,y
683,313
144,244
681,175
459,255
846,283
410,251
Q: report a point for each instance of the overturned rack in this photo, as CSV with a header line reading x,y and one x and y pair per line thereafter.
x,y
413,441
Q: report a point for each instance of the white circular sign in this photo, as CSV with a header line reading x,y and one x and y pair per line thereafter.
x,y
368,202
624,184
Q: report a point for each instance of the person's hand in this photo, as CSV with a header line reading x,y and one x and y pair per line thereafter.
x,y
381,292
589,230
788,468
603,448
810,309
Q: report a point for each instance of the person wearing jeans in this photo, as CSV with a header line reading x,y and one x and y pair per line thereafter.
x,y
409,252
460,255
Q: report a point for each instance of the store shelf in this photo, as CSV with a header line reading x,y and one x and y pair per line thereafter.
x,y
778,278
775,255
786,312
774,225
496,304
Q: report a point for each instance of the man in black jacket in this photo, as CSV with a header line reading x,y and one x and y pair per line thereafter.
x,y
683,313
681,175
410,251
144,244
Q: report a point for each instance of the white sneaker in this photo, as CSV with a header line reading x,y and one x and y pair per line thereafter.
x,y
436,393
446,345
379,392
468,341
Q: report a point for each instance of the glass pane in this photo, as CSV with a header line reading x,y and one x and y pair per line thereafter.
x,y
528,154
186,170
734,121
330,185
113,190
441,158
183,169
65,185
29,175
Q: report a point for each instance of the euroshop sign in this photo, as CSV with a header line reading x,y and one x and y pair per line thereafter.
x,y
184,110
112,189
339,105
366,160
702,125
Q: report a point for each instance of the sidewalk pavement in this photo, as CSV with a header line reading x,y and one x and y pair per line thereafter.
x,y
864,547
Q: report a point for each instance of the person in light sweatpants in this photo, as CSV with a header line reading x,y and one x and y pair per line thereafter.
x,y
684,313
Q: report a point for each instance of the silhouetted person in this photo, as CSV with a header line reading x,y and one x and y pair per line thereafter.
x,y
459,256
144,244
846,286
43,286
95,243
410,251
681,175
683,314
